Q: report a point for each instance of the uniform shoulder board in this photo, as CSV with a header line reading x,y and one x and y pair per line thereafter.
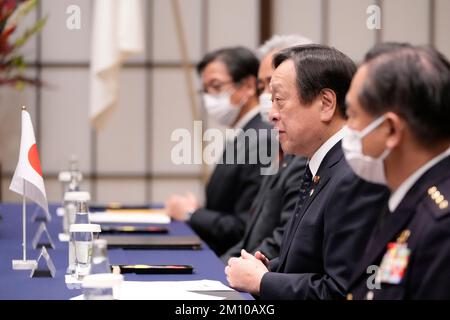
x,y
438,200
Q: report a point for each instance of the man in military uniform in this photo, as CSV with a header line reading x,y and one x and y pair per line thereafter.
x,y
399,115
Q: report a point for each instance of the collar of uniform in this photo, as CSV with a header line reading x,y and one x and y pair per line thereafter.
x,y
319,155
398,195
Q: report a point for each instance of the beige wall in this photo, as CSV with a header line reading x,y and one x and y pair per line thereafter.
x,y
133,152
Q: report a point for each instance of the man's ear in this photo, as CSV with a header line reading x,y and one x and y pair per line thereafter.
x,y
328,104
396,127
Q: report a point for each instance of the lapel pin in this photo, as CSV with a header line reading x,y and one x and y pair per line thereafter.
x,y
316,179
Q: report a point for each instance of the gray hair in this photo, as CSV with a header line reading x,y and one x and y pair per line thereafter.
x,y
280,42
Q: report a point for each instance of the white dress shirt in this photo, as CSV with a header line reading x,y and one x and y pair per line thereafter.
x,y
319,155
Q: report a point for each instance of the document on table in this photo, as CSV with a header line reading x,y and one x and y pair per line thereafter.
x,y
138,290
168,290
130,216
196,285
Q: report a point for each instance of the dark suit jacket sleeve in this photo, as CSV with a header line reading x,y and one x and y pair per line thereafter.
x,y
349,217
273,264
432,277
270,246
224,229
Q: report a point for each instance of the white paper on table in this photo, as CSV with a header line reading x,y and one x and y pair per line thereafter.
x,y
194,285
126,217
148,290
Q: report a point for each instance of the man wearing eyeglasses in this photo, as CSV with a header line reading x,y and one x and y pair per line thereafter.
x,y
230,98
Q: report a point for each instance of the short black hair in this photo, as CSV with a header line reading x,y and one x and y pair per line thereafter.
x,y
319,67
384,47
240,62
413,82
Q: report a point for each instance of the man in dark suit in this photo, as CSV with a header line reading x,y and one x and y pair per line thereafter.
x,y
399,114
277,196
230,98
272,208
335,210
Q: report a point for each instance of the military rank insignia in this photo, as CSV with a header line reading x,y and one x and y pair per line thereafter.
x,y
395,260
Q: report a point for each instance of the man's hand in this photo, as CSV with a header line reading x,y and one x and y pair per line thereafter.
x,y
260,256
245,273
177,207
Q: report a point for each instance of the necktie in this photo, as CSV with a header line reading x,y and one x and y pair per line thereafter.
x,y
304,188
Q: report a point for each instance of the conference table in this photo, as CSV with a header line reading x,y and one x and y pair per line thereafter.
x,y
17,285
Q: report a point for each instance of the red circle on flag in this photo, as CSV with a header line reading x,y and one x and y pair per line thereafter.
x,y
33,158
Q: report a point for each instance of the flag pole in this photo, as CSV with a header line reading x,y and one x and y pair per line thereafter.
x,y
24,218
24,224
24,264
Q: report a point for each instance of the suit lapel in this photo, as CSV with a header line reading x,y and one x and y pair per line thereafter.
x,y
325,173
315,190
296,221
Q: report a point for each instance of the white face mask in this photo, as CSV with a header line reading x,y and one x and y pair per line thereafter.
x,y
220,108
265,104
368,168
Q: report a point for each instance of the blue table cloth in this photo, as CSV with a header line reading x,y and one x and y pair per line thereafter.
x,y
18,284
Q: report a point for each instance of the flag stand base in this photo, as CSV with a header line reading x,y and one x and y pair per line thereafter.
x,y
24,264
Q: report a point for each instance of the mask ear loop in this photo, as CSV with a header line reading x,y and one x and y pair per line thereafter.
x,y
372,127
376,123
385,154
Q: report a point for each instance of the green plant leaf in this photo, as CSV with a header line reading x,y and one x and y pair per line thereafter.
x,y
22,11
30,32
20,85
12,62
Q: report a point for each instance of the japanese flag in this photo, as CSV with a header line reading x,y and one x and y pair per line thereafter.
x,y
27,179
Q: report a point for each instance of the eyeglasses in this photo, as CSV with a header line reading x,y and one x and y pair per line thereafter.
x,y
214,86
